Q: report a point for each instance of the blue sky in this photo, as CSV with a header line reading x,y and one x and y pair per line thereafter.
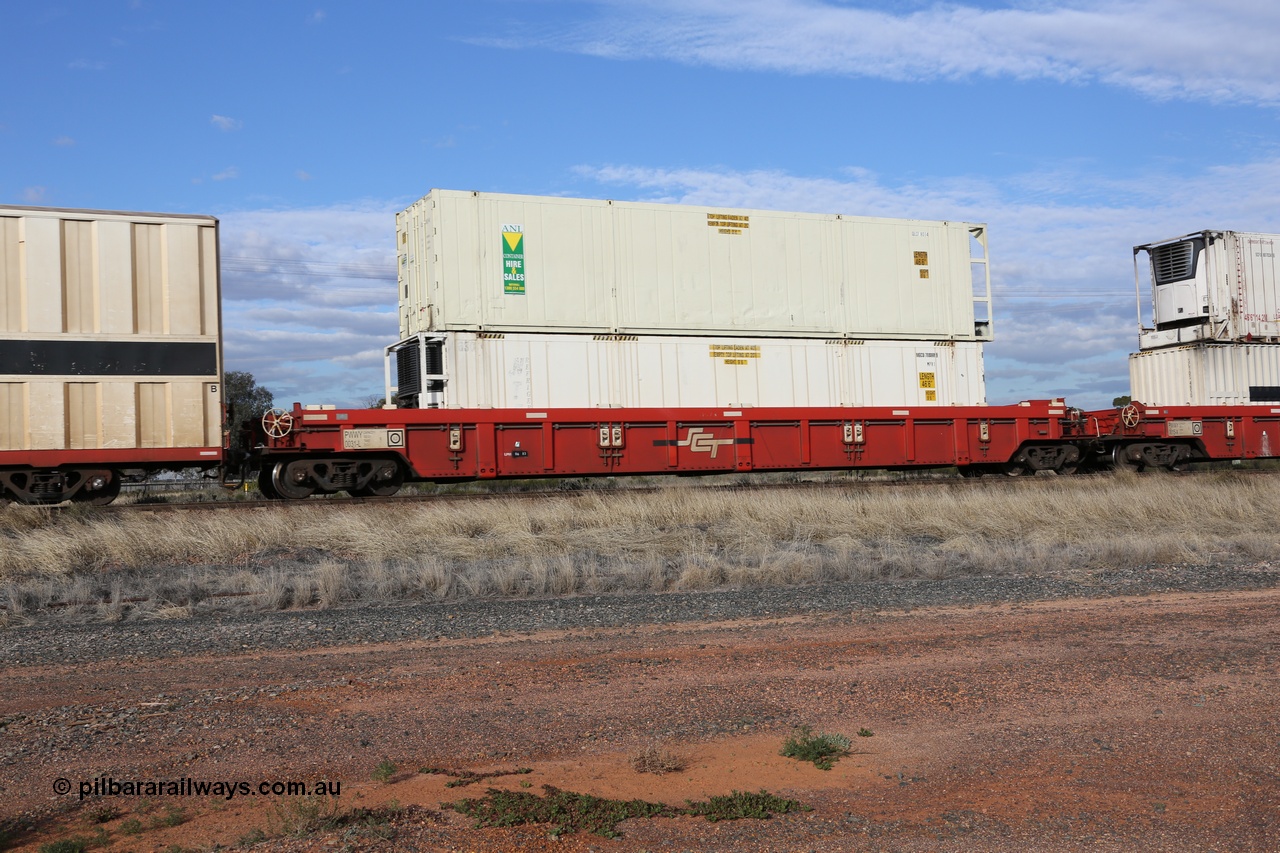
x,y
1075,130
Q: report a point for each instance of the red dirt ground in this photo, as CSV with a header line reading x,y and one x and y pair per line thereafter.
x,y
1119,724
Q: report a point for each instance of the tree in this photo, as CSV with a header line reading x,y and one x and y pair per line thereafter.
x,y
246,400
1120,402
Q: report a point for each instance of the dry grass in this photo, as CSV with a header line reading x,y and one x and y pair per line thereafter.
x,y
329,554
654,759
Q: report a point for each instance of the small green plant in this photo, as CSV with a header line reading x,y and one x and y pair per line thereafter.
x,y
384,771
741,804
132,826
303,816
865,733
822,749
173,816
77,844
568,811
462,778
253,836
102,813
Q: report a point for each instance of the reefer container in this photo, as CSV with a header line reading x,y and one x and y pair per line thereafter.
x,y
506,263
109,337
1211,286
1207,375
532,371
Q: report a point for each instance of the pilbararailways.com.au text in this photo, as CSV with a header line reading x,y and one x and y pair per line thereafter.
x,y
106,786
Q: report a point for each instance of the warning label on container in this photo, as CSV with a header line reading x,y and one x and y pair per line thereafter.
x,y
728,223
513,259
735,353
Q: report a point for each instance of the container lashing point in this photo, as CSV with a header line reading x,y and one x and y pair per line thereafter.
x,y
455,439
853,433
984,431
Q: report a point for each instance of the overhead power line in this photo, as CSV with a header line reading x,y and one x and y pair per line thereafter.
x,y
309,269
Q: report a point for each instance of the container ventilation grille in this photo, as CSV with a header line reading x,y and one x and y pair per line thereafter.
x,y
1175,262
408,373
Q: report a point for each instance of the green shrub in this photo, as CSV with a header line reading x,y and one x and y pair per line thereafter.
x,y
823,749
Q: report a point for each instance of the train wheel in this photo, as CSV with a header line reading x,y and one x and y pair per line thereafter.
x,y
1013,469
971,471
291,481
100,489
386,483
1121,460
264,483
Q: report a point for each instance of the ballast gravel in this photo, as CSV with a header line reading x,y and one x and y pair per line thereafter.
x,y
47,640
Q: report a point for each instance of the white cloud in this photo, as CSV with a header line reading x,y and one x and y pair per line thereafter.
x,y
302,175
225,123
64,142
87,65
227,174
317,17
1161,48
309,299
34,195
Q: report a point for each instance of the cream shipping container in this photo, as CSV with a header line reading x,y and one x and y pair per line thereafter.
x,y
109,336
485,262
1213,286
1207,375
532,371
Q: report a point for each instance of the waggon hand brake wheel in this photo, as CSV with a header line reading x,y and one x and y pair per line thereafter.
x,y
1130,415
277,423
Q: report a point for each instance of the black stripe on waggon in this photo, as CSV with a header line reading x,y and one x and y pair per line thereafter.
x,y
108,358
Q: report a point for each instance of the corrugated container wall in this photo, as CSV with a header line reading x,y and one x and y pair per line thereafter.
x,y
109,330
513,370
1207,375
1221,286
507,263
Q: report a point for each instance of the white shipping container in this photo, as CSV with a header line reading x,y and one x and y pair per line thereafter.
x,y
528,371
109,330
507,263
1211,286
1207,375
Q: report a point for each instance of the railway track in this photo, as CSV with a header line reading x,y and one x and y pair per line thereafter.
x,y
229,503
